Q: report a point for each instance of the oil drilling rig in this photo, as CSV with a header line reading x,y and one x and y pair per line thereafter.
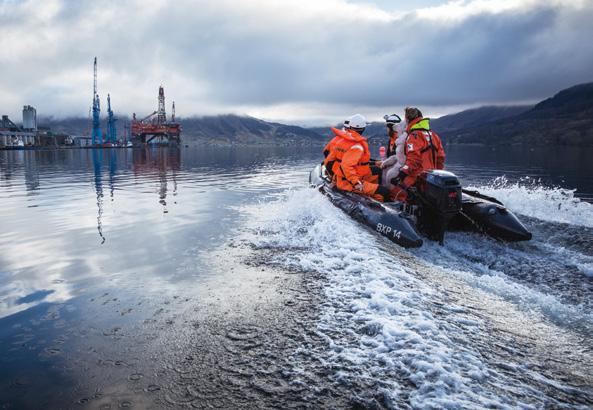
x,y
154,128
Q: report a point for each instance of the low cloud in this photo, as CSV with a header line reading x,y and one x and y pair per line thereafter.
x,y
278,59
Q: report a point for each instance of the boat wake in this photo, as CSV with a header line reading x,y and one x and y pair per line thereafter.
x,y
473,323
529,197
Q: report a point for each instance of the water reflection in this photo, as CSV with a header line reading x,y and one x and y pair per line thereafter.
x,y
165,163
112,170
161,200
158,214
31,173
49,241
97,165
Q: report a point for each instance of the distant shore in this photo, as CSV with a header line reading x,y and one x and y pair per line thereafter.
x,y
374,141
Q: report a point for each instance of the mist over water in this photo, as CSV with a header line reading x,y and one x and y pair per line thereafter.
x,y
191,277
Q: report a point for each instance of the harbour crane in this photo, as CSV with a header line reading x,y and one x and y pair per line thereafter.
x,y
97,135
111,129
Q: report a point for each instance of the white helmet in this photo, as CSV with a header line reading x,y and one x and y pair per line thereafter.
x,y
392,119
357,122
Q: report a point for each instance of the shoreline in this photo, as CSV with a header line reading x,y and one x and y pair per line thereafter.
x,y
215,144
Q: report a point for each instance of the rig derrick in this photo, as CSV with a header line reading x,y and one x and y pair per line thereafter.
x,y
155,128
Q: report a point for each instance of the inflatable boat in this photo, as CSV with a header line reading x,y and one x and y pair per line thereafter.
x,y
437,203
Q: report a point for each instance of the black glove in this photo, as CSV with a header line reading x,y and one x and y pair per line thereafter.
x,y
399,178
384,192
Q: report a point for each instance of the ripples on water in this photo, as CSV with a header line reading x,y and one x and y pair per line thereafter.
x,y
476,322
170,278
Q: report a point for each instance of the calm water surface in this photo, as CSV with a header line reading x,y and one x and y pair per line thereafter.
x,y
187,277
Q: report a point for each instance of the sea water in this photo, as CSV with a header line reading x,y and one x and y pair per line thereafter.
x,y
164,277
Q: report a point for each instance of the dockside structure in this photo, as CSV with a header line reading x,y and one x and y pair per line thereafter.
x,y
12,134
155,128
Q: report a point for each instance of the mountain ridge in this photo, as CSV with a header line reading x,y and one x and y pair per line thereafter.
x,y
223,130
563,119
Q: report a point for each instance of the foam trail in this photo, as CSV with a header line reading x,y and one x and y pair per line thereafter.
x,y
379,316
533,275
529,197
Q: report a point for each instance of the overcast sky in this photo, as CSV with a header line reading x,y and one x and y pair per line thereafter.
x,y
298,61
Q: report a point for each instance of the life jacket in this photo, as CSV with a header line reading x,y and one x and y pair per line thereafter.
x,y
346,141
428,146
330,154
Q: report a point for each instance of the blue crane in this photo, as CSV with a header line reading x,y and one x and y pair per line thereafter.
x,y
97,136
111,130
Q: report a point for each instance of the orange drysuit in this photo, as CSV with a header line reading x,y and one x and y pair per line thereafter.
x,y
328,148
330,155
424,151
350,155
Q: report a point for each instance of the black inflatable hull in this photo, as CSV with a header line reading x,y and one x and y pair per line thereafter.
x,y
387,222
479,214
489,216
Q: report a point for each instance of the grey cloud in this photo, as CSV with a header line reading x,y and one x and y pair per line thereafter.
x,y
213,54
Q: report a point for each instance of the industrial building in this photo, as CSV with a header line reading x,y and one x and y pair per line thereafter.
x,y
11,135
29,135
29,118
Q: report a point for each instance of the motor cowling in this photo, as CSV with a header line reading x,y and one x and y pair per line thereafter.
x,y
441,189
439,198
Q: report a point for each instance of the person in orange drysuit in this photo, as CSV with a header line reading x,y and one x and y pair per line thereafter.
x,y
330,154
349,158
423,149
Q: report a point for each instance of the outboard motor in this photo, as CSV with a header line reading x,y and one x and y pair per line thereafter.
x,y
439,200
